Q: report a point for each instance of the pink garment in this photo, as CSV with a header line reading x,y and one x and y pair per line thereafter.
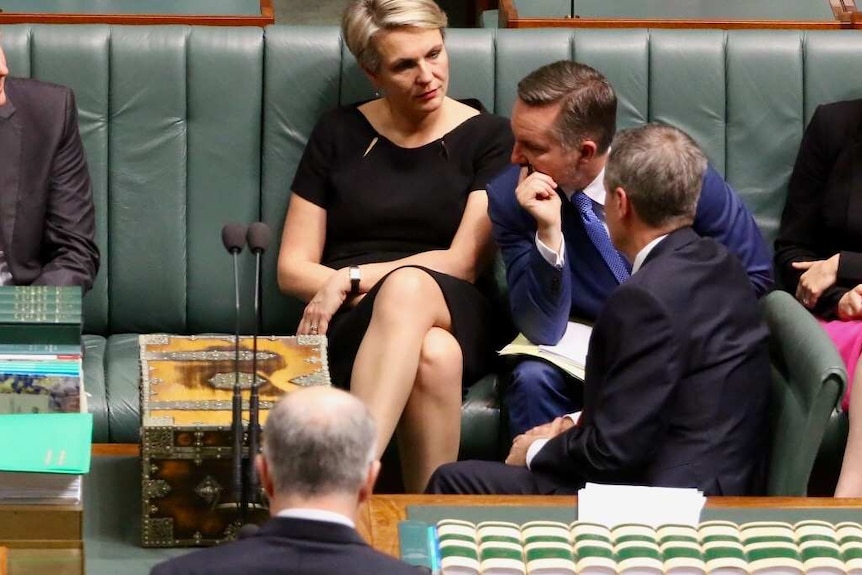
x,y
847,337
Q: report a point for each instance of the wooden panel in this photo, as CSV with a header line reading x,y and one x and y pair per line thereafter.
x,y
378,518
265,18
509,18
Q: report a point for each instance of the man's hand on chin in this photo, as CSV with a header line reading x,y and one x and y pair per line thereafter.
x,y
521,444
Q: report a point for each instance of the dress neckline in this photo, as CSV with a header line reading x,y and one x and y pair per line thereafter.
x,y
473,103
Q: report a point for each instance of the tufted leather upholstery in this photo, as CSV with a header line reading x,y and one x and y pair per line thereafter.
x,y
187,128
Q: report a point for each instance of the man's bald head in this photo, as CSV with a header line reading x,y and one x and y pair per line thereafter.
x,y
319,441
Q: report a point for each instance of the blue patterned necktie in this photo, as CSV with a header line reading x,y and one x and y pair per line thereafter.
x,y
599,235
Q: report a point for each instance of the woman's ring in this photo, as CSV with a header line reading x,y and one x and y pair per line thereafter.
x,y
313,330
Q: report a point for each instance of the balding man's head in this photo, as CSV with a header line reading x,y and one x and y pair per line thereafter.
x,y
319,441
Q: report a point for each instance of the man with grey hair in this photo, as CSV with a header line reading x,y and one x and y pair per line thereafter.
x,y
548,218
677,374
317,467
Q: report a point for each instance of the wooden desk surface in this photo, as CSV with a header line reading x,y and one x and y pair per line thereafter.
x,y
378,518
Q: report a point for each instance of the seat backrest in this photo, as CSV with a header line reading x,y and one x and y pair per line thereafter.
x,y
170,117
808,378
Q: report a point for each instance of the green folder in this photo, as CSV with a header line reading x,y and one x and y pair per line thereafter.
x,y
46,442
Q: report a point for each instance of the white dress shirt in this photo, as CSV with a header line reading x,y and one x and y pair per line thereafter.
x,y
596,192
316,515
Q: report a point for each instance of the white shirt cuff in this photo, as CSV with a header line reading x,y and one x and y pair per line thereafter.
x,y
574,417
555,259
535,448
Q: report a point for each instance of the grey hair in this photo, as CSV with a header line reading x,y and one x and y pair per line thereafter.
x,y
588,102
661,169
313,452
364,19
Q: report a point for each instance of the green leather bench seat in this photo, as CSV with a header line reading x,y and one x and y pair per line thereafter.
x,y
187,128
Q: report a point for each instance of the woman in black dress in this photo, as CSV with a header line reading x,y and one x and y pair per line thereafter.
x,y
387,232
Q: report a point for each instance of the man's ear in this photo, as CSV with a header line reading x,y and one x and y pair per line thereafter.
x,y
623,203
588,150
370,479
263,474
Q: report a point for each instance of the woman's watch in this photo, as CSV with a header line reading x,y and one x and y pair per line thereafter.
x,y
355,275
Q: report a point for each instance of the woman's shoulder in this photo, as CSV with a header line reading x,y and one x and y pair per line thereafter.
x,y
342,125
481,121
339,116
839,117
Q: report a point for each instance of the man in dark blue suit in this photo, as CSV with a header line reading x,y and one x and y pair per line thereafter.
x,y
677,375
317,467
548,219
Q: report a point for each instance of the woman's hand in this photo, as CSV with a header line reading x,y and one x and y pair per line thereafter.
x,y
324,304
819,275
850,304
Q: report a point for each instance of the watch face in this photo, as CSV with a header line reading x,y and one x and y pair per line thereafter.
x,y
354,273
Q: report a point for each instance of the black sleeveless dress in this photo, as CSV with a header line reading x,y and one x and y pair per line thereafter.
x,y
385,202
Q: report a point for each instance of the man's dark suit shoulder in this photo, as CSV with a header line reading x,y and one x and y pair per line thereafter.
x,y
503,207
290,547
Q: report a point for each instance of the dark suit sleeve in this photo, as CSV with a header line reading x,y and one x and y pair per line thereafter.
x,y
800,237
540,295
721,215
626,412
69,251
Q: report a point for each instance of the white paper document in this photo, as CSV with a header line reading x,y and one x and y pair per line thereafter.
x,y
613,505
570,354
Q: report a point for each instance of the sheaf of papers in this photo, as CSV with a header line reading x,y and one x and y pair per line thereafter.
x,y
40,488
570,354
613,505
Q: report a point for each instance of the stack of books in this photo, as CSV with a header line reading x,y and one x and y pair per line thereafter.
x,y
546,547
40,350
43,458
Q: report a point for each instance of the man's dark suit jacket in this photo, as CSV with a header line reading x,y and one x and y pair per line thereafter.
x,y
47,218
286,546
677,379
823,213
543,298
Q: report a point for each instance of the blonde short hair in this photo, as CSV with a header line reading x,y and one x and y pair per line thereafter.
x,y
364,19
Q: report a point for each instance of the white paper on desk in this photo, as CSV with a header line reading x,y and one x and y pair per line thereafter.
x,y
574,344
570,354
612,505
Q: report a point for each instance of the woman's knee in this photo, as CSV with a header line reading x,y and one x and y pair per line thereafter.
x,y
408,292
440,360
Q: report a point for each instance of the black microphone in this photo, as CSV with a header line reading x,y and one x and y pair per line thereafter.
x,y
259,236
233,238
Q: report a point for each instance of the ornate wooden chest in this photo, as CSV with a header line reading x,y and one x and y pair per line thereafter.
x,y
186,448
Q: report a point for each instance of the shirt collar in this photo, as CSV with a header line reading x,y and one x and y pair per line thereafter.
x,y
316,515
595,190
645,251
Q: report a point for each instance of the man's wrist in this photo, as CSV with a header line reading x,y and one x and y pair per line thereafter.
x,y
534,449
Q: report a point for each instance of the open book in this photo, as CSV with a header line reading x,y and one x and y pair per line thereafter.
x,y
570,354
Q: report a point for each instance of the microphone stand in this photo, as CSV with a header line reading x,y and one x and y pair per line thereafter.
x,y
233,238
258,239
236,409
254,399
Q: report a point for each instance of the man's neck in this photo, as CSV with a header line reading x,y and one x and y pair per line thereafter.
x,y
592,169
342,504
641,238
